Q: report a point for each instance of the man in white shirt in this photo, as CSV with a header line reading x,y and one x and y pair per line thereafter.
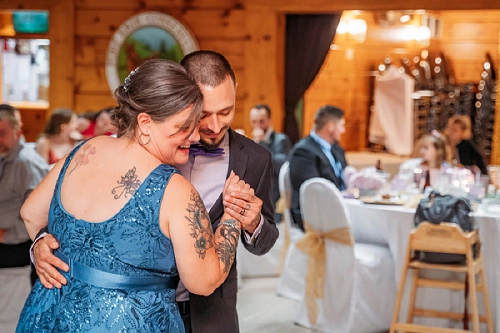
x,y
277,143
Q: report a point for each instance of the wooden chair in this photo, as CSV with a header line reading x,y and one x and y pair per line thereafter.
x,y
444,238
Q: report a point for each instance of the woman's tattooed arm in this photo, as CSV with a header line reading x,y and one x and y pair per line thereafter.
x,y
204,236
226,249
227,240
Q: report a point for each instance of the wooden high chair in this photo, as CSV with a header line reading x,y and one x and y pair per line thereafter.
x,y
443,238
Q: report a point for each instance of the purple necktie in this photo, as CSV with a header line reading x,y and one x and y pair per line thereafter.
x,y
197,149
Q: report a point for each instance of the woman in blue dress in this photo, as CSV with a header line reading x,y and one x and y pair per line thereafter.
x,y
128,224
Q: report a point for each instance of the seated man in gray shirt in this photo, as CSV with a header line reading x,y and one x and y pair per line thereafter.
x,y
21,170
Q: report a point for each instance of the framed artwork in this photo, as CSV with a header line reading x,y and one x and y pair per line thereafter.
x,y
148,35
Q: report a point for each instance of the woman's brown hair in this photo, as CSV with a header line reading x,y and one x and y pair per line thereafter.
x,y
160,88
59,117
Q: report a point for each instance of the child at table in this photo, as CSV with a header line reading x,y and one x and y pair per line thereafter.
x,y
435,153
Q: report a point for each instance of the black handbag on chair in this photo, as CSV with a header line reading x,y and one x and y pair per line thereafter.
x,y
439,208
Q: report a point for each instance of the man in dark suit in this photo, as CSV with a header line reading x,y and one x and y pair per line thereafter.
x,y
213,73
318,155
222,151
277,143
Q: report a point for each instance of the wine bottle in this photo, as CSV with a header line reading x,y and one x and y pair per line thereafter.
x,y
427,180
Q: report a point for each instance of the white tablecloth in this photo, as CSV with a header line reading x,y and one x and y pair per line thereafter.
x,y
391,225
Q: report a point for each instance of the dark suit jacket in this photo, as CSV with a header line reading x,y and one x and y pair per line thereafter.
x,y
252,163
469,156
279,145
308,161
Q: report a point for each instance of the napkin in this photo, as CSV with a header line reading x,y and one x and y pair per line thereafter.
x,y
367,179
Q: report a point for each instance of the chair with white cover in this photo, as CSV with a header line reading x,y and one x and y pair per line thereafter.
x,y
250,265
291,283
286,190
348,287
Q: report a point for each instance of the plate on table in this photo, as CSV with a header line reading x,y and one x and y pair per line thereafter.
x,y
395,201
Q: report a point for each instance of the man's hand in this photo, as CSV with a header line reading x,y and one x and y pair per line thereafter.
x,y
243,201
258,134
46,263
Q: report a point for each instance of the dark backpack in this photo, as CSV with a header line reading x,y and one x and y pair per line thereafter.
x,y
439,208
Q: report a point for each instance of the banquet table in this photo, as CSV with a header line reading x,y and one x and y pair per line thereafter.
x,y
391,226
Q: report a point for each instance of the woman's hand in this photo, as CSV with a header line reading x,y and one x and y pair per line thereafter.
x,y
46,263
243,205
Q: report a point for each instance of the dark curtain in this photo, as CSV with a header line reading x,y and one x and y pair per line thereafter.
x,y
308,39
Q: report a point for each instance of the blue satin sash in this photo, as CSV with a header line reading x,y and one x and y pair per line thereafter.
x,y
101,279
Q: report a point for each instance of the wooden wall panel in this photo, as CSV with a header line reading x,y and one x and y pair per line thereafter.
x,y
470,31
205,24
467,37
320,6
90,50
468,71
469,50
217,25
92,79
264,65
93,102
156,4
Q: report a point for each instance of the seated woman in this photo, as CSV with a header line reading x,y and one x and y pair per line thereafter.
x,y
129,225
58,138
433,151
464,150
97,123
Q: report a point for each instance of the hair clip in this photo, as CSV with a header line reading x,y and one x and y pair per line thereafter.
x,y
436,133
126,83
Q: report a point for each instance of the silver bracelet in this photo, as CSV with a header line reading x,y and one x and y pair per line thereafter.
x,y
232,223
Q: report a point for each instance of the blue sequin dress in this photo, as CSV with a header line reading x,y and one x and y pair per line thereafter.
x,y
130,243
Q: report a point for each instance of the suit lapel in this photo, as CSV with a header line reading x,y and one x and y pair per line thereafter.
x,y
337,154
271,141
320,153
326,161
237,163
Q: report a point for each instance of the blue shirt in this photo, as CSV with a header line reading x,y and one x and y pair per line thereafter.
x,y
326,148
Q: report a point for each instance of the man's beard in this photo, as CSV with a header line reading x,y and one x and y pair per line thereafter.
x,y
214,144
211,145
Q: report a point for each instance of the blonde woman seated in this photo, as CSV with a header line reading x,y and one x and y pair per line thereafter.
x,y
58,139
464,150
